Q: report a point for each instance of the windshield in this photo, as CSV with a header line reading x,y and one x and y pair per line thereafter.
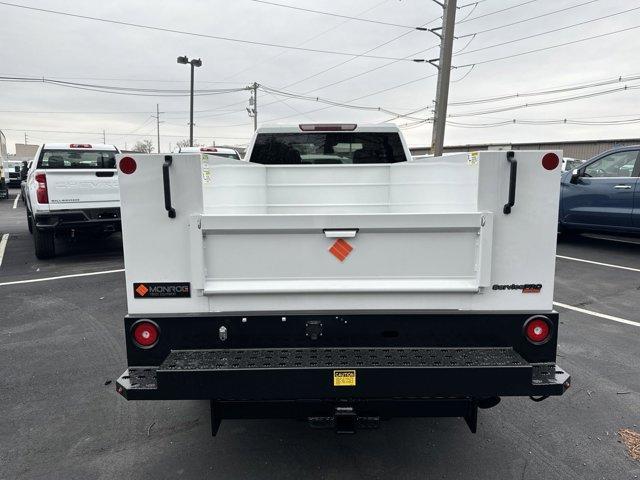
x,y
77,159
327,148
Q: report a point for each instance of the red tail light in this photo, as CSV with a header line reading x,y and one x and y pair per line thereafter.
x,y
208,149
550,161
145,333
41,191
537,330
80,145
128,165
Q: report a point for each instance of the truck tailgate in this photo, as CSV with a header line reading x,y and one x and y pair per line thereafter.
x,y
82,188
342,253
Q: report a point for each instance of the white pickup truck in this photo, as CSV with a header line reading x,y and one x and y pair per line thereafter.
x,y
332,278
71,188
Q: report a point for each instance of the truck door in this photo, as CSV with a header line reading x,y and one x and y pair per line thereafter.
x,y
603,195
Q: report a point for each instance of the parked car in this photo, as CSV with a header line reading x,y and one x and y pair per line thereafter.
x,y
71,188
12,171
218,151
4,191
603,194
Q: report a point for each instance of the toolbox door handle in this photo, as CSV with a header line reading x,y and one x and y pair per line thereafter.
x,y
166,180
512,182
330,233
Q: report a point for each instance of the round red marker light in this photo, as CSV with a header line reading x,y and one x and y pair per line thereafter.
x,y
537,330
128,165
145,334
550,161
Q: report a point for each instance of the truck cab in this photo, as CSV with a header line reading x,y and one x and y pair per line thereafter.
x,y
333,278
71,188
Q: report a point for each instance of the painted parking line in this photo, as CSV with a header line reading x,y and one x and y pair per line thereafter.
x,y
3,246
621,267
15,202
47,279
596,314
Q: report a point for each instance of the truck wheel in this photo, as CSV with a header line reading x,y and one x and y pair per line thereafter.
x,y
30,223
44,244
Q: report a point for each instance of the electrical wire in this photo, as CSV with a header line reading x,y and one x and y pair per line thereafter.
x,y
337,15
547,32
497,11
528,19
551,91
318,35
543,49
193,34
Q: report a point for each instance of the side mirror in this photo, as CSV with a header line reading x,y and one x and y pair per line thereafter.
x,y
24,170
575,175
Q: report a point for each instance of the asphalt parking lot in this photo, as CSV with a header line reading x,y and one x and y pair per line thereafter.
x,y
61,348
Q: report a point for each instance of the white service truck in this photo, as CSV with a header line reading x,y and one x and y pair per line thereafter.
x,y
71,188
333,279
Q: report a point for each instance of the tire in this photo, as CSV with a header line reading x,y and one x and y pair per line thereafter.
x,y
44,244
30,223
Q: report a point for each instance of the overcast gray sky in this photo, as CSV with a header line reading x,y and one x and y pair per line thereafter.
x,y
80,50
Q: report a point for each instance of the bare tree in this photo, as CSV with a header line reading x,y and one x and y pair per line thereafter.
x,y
143,146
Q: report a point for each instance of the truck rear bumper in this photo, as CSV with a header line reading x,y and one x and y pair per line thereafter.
x,y
341,374
89,219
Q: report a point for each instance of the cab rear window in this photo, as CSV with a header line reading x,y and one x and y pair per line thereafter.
x,y
327,148
54,159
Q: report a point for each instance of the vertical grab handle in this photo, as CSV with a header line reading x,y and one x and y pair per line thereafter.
x,y
513,175
166,180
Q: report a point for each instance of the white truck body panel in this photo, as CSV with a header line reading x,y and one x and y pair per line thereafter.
x,y
426,235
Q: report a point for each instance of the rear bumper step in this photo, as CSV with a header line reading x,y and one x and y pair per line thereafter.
x,y
373,373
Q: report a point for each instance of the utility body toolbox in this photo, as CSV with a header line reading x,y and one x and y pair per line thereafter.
x,y
335,279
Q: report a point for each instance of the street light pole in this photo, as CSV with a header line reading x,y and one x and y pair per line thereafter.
x,y
194,63
191,109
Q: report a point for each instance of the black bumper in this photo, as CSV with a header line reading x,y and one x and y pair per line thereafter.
x,y
90,219
293,357
310,374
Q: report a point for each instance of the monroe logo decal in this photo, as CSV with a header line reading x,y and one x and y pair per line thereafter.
x,y
162,290
526,288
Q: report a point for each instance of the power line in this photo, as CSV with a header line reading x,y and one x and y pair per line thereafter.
x,y
547,32
497,11
547,102
337,15
551,47
551,91
324,32
527,19
107,132
193,34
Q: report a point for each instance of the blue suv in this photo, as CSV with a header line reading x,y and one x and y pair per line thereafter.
x,y
603,194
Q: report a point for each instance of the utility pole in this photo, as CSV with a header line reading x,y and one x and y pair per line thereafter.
x,y
444,73
252,109
25,138
104,137
157,117
255,106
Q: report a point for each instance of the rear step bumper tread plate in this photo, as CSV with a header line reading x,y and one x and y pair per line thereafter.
x,y
308,373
